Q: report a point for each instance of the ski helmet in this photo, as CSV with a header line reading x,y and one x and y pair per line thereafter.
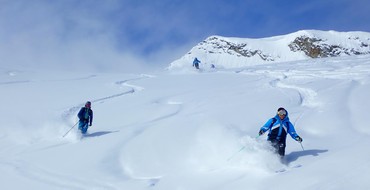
x,y
281,111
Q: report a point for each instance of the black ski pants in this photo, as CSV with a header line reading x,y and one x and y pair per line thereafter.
x,y
279,146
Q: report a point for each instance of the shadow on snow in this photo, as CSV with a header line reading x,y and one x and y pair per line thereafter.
x,y
100,133
293,156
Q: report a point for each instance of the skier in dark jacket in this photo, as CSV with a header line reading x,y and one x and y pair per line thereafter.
x,y
196,63
86,116
278,127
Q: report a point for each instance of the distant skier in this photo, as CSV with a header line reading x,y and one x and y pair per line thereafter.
x,y
278,127
196,63
86,116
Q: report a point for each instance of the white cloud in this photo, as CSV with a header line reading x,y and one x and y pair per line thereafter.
x,y
61,35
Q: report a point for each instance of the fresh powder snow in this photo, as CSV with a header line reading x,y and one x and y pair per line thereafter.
x,y
187,129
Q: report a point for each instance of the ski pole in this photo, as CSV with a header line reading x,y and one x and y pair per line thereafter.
x,y
70,129
301,145
236,153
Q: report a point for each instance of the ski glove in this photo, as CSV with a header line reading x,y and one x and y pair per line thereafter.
x,y
299,139
261,132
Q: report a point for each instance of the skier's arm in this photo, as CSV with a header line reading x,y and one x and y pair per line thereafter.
x,y
292,131
80,114
266,126
91,117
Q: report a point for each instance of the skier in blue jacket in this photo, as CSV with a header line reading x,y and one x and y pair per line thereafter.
x,y
278,127
196,63
86,116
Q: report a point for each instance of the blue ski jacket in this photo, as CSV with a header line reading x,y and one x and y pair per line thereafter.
x,y
196,62
85,115
278,128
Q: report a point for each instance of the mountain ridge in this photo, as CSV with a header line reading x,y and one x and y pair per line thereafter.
x,y
234,52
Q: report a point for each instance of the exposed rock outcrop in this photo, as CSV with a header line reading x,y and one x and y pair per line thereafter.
x,y
316,48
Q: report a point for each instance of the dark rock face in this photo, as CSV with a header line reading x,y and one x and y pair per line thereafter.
x,y
238,49
315,48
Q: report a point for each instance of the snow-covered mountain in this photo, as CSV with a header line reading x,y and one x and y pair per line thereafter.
x,y
225,52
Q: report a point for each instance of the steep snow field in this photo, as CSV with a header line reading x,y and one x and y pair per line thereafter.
x,y
182,130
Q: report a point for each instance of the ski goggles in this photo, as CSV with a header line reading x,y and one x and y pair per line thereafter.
x,y
281,112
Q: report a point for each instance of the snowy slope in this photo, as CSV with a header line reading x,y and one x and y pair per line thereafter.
x,y
170,130
226,52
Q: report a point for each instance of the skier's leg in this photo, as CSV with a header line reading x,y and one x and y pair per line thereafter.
x,y
275,145
84,128
80,125
281,149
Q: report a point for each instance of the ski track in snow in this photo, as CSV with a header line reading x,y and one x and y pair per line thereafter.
x,y
135,130
72,111
132,89
73,79
54,80
15,82
280,79
306,95
341,74
35,173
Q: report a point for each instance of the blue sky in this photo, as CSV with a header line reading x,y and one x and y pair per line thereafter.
x,y
154,32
